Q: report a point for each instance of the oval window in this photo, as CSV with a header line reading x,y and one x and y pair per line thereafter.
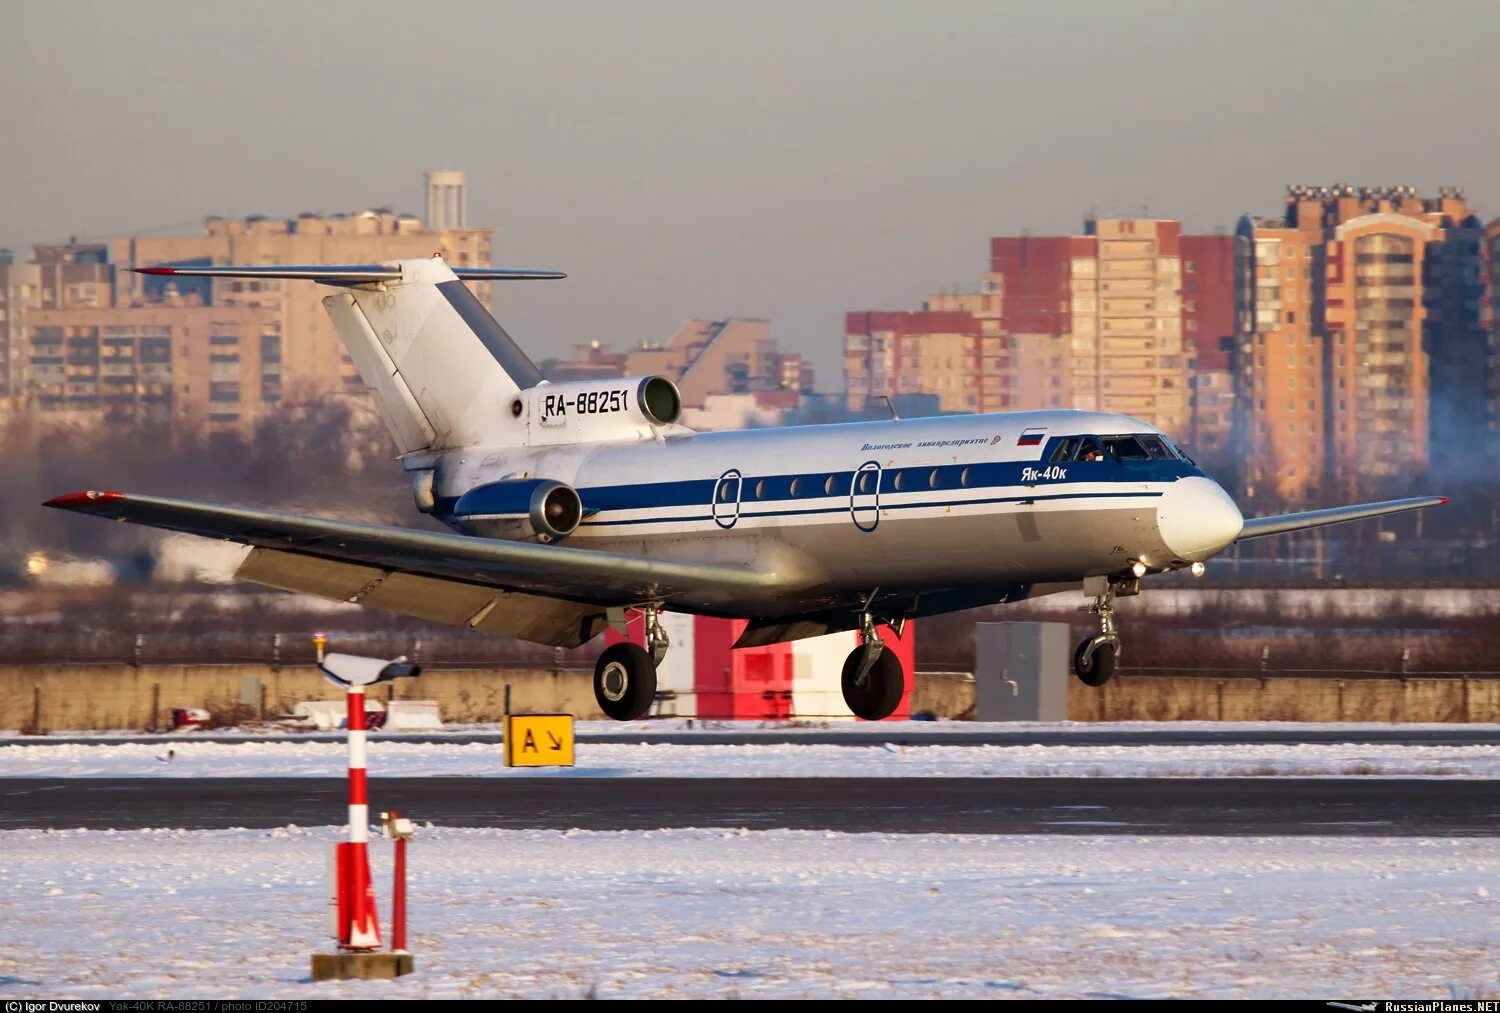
x,y
963,478
866,480
898,481
932,480
796,486
726,490
828,486
760,489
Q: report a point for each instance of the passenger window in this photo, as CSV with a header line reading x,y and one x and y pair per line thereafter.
x,y
828,485
1126,448
796,487
726,490
896,482
760,489
963,478
1065,450
866,480
932,480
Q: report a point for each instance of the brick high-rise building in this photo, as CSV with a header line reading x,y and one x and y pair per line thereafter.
x,y
1351,304
940,352
1096,321
1208,325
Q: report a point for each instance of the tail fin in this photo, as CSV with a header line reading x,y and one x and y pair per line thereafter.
x,y
440,367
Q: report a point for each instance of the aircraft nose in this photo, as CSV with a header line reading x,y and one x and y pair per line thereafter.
x,y
1196,518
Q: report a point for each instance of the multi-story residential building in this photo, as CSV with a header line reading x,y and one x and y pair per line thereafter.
x,y
1096,320
703,357
314,360
939,352
65,276
190,367
1349,304
1208,321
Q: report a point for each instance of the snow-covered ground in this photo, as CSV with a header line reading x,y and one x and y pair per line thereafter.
x,y
290,758
724,913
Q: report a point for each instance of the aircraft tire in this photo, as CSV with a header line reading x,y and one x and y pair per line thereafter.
x,y
881,693
1099,669
624,681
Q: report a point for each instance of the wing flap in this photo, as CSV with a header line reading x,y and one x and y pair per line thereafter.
x,y
529,617
1260,527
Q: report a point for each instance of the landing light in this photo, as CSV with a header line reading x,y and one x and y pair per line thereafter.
x,y
1138,568
1197,568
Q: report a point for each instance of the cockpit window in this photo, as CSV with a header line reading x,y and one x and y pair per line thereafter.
x,y
1088,449
1126,448
1156,447
1065,450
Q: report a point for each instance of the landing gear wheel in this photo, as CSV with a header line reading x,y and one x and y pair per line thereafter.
x,y
878,695
1098,668
624,681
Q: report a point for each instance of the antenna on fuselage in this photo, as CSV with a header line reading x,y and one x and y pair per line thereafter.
x,y
895,415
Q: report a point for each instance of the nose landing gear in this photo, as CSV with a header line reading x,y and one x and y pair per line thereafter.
x,y
1094,659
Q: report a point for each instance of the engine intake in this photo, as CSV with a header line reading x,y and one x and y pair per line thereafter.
x,y
539,508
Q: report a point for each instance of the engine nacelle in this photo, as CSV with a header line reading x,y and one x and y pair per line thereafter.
x,y
521,509
591,410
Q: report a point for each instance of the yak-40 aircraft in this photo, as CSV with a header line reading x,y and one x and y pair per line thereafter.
x,y
575,502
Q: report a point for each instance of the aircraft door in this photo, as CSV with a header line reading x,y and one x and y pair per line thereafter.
x,y
864,496
727,498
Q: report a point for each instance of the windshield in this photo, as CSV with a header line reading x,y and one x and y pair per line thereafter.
x,y
1128,449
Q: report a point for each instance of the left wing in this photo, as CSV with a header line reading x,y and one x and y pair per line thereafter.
x,y
1260,527
547,593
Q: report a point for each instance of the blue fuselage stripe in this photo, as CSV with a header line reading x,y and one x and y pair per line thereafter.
x,y
844,508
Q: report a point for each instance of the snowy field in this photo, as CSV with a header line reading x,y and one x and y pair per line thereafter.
x,y
733,913
283,757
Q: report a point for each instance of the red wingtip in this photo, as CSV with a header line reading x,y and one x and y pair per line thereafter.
x,y
73,500
1443,500
154,270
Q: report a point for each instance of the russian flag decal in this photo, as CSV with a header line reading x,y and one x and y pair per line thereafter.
x,y
1031,437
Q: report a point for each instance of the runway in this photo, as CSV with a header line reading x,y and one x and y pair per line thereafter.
x,y
1235,806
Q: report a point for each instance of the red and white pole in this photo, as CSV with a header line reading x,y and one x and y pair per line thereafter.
x,y
359,928
398,888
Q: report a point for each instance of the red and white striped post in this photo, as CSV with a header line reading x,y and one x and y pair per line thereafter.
x,y
359,928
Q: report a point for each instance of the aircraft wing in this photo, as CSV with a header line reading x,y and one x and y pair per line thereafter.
x,y
545,593
1259,527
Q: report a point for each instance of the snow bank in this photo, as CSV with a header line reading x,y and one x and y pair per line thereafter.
x,y
290,758
724,913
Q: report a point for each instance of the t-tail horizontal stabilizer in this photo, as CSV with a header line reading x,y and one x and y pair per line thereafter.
x,y
440,367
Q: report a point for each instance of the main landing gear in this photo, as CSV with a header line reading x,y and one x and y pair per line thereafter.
x,y
1094,659
873,680
625,674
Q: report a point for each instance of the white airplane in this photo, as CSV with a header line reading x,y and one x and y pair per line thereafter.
x,y
800,530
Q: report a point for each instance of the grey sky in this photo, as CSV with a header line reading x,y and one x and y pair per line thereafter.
x,y
790,160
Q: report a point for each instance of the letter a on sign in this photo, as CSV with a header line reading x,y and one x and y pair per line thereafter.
x,y
539,740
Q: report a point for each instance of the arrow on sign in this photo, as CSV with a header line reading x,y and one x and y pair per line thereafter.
x,y
557,743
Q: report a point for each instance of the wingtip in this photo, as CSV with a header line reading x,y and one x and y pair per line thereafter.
x,y
75,500
1443,501
152,270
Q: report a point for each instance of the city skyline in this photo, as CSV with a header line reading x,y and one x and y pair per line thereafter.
x,y
772,162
